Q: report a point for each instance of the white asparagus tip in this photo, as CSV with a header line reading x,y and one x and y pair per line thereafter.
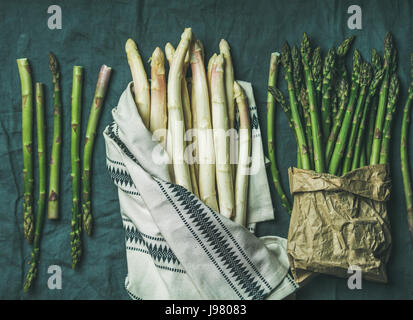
x,y
169,51
211,60
218,62
187,34
224,47
157,58
130,45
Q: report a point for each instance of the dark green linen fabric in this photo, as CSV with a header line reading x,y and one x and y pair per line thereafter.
x,y
94,33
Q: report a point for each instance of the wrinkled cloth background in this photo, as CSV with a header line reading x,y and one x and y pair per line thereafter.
x,y
94,33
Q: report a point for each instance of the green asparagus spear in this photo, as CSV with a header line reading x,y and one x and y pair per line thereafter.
x,y
407,183
377,65
365,78
75,235
340,144
27,132
307,122
272,81
94,115
319,157
342,51
298,127
329,65
297,70
381,109
334,106
54,179
338,119
317,72
391,108
298,79
279,98
41,204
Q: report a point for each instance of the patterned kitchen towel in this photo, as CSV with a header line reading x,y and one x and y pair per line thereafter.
x,y
177,247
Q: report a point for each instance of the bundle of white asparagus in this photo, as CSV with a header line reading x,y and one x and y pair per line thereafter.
x,y
193,118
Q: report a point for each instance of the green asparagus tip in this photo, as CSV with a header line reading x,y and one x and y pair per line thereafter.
x,y
394,88
376,80
305,46
375,60
53,65
329,62
388,47
366,74
357,61
285,56
277,94
317,58
343,48
304,97
343,88
295,55
297,74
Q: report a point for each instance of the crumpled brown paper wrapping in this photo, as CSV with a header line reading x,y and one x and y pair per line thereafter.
x,y
338,222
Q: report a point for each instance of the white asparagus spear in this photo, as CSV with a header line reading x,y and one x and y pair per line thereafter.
x,y
159,115
175,112
206,151
209,70
242,176
186,104
169,53
225,184
140,81
194,124
229,81
229,89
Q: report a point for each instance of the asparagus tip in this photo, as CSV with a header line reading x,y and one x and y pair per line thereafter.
x,y
169,52
224,47
53,65
187,34
130,45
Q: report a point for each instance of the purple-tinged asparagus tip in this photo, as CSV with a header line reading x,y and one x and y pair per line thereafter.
x,y
103,80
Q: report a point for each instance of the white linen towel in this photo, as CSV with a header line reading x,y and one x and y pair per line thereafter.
x,y
177,247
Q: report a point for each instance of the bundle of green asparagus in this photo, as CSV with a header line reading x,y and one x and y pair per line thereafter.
x,y
339,124
196,125
33,227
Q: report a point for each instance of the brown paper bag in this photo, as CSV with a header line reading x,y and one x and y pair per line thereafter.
x,y
339,222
